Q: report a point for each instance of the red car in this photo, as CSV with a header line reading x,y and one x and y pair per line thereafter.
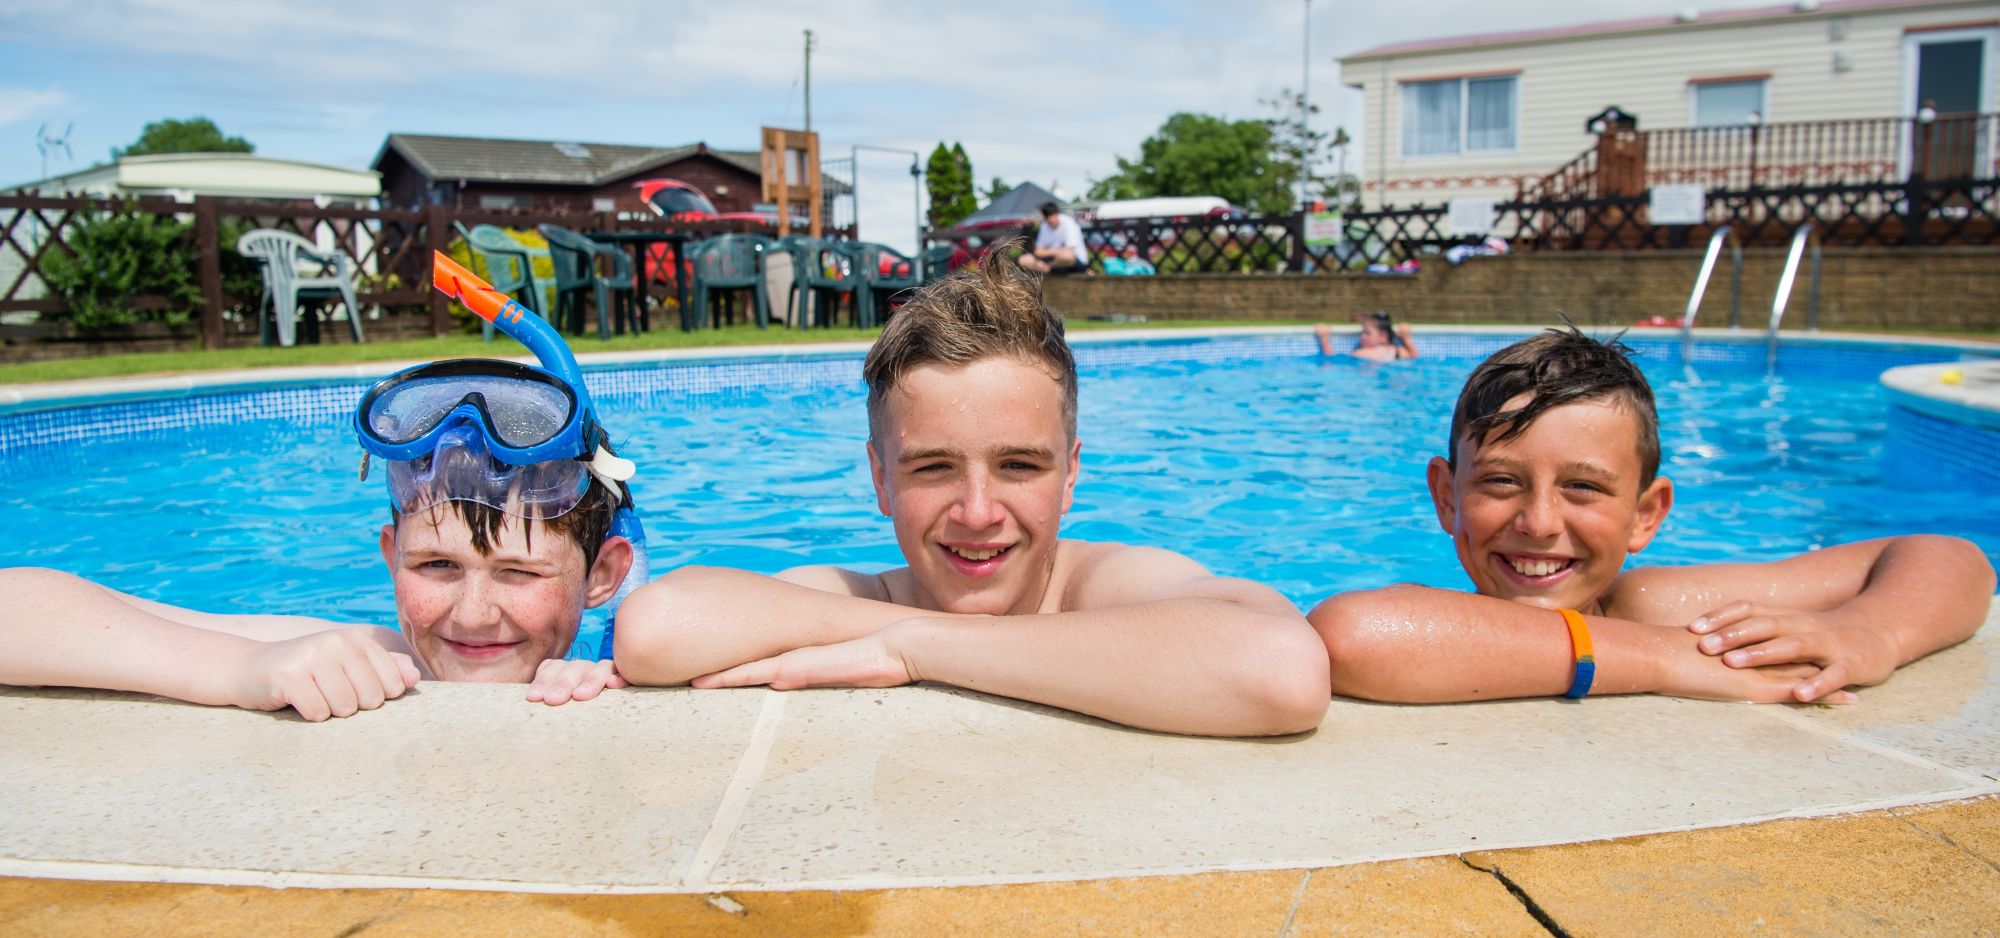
x,y
679,201
675,200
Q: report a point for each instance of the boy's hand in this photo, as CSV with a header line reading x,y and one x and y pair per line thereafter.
x,y
1692,674
334,673
862,662
558,682
1753,635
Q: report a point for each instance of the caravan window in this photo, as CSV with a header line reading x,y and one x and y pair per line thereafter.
x,y
1727,103
1451,116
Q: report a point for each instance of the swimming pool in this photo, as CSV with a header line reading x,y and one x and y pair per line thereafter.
x,y
1251,454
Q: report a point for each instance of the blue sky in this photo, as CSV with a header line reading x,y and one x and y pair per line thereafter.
x,y
1046,91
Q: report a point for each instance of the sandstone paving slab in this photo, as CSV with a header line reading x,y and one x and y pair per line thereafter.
x,y
1219,904
1868,875
454,782
1423,896
1971,826
917,786
1945,708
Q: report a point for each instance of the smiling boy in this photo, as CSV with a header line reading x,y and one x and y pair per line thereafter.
x,y
1550,480
974,455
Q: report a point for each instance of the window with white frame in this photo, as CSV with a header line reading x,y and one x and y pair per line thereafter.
x,y
1727,103
1459,115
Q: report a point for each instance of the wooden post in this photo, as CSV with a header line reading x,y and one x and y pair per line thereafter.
x,y
778,148
437,237
207,237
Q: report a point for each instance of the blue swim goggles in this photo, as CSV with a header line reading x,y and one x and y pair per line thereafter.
x,y
521,439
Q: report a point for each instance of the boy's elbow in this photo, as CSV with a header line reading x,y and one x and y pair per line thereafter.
x,y
1288,693
644,645
1364,652
1966,553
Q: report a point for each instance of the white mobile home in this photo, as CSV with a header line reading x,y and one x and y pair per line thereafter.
x,y
1482,115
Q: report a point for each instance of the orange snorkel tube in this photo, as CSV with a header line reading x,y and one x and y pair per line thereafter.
x,y
507,315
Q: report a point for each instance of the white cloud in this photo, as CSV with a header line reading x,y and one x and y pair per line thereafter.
x,y
19,105
1035,89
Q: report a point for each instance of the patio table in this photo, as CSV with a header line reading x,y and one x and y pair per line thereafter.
x,y
639,242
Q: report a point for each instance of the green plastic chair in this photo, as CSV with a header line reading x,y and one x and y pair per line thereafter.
x,y
510,266
937,261
730,262
876,287
822,270
575,258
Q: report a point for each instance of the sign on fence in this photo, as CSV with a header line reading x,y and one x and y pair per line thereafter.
x,y
1325,229
1470,217
1678,205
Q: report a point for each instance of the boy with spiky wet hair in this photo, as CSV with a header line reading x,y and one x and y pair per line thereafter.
x,y
1550,478
974,455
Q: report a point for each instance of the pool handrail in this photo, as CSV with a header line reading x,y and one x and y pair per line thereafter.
x,y
1724,234
1806,234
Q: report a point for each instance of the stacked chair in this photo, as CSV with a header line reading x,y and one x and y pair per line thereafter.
x,y
883,272
510,266
577,281
727,263
822,271
286,282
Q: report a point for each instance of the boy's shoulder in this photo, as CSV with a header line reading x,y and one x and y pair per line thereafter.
x,y
881,587
1096,574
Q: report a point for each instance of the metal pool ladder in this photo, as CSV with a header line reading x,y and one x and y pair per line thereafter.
x,y
1804,236
1723,234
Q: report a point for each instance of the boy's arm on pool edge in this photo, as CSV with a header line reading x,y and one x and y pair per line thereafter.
x,y
699,620
1857,610
1416,644
1153,641
57,629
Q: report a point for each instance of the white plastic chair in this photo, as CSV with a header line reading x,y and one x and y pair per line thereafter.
x,y
327,273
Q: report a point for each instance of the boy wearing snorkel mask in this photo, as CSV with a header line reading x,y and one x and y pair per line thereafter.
x,y
1551,480
974,457
510,516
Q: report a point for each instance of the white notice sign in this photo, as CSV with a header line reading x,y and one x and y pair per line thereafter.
x,y
1470,217
1324,229
1678,205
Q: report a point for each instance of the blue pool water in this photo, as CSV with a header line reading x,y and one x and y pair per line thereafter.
x,y
1254,456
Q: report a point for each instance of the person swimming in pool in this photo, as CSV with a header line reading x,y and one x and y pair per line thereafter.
x,y
1382,339
509,516
973,452
1550,479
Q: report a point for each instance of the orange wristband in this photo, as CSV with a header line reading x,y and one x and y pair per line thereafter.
x,y
1584,656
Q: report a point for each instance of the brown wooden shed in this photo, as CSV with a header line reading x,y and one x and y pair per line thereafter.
x,y
555,176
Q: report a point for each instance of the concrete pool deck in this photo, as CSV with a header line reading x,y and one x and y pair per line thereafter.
x,y
847,811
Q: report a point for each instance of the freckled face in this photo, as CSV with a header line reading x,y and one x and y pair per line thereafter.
x,y
1547,517
975,466
491,618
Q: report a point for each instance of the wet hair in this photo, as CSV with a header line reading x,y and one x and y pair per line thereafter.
x,y
586,525
1050,208
1558,367
986,309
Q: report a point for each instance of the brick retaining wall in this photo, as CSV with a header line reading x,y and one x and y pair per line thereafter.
x,y
1893,289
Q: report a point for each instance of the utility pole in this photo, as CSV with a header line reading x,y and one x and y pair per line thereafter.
x,y
916,187
1305,108
809,80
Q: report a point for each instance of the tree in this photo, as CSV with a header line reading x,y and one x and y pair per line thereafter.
x,y
1258,163
194,135
948,177
1200,154
1301,154
968,201
997,188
